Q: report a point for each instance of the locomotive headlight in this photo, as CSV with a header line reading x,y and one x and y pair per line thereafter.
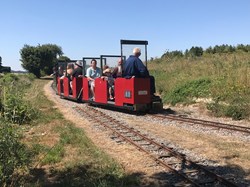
x,y
128,94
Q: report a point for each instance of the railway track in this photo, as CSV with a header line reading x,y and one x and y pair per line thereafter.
x,y
202,122
198,121
189,173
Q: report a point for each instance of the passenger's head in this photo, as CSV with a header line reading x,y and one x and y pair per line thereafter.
x,y
70,66
137,51
79,63
60,69
107,71
119,61
105,67
93,63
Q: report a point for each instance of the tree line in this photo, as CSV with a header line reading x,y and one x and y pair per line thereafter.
x,y
199,51
41,59
4,68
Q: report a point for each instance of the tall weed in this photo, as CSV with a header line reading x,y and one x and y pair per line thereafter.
x,y
14,156
16,110
13,107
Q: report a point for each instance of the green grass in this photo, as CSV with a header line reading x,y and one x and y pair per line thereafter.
x,y
14,155
222,78
54,155
72,159
186,92
13,108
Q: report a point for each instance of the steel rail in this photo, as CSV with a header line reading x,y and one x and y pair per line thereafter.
x,y
204,122
142,149
159,146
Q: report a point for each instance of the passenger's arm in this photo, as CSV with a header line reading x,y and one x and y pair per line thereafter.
x,y
88,73
90,79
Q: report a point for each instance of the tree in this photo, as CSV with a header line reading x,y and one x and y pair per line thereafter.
x,y
0,62
172,54
31,60
49,54
196,51
241,47
63,58
209,50
40,58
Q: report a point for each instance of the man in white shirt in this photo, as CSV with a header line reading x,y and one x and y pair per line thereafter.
x,y
92,73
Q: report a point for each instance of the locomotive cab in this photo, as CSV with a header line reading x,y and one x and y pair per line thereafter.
x,y
144,99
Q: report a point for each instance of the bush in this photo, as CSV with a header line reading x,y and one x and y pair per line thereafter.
x,y
16,83
186,92
237,109
234,111
8,78
13,154
13,107
16,110
216,108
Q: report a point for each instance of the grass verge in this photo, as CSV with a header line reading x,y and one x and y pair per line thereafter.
x,y
221,78
63,154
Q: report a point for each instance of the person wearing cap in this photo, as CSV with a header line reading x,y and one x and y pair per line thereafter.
x,y
134,67
92,73
77,72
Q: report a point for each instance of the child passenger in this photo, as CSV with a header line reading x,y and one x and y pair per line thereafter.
x,y
108,76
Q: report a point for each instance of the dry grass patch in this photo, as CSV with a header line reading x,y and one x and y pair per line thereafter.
x,y
44,135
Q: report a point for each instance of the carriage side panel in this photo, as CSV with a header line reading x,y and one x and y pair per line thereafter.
x,y
101,90
59,85
85,86
66,86
76,86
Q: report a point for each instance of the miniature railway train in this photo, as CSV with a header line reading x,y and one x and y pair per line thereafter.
x,y
130,94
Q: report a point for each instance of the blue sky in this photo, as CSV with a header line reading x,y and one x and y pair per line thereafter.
x,y
95,27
